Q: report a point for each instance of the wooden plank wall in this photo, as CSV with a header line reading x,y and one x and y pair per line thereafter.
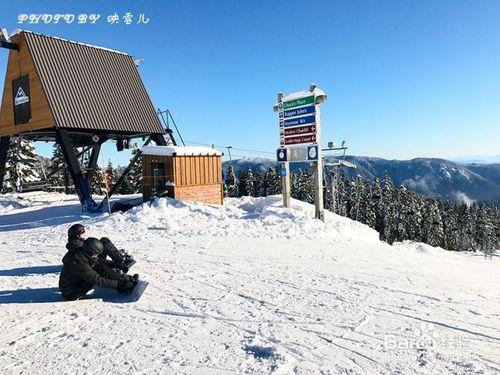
x,y
196,178
197,170
20,63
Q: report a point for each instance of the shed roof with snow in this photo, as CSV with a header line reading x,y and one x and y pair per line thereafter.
x,y
180,151
74,86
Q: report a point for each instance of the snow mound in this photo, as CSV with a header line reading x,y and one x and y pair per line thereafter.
x,y
9,202
245,217
14,201
419,248
37,198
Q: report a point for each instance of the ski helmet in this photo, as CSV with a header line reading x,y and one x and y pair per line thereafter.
x,y
93,246
75,230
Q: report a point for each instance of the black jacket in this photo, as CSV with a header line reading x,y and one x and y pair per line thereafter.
x,y
80,272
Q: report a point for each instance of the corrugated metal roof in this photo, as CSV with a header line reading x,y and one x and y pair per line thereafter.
x,y
92,88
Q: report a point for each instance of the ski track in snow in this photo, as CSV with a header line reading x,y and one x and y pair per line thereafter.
x,y
249,287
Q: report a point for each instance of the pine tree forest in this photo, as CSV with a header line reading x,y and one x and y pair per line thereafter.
x,y
397,213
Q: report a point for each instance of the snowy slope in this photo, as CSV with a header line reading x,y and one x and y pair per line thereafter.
x,y
247,287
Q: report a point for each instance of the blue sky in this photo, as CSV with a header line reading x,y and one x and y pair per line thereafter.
x,y
404,78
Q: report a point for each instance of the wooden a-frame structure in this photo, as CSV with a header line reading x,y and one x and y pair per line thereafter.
x,y
77,95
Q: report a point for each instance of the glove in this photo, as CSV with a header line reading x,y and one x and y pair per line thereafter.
x,y
122,268
126,286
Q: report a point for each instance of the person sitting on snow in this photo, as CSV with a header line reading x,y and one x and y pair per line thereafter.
x,y
120,260
84,267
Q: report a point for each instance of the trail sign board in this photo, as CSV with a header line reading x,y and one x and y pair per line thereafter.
x,y
301,139
299,127
294,121
288,132
296,103
297,120
298,111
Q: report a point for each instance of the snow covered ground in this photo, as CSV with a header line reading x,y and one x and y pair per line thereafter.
x,y
249,287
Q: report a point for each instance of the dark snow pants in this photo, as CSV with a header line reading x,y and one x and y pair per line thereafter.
x,y
111,251
102,269
84,289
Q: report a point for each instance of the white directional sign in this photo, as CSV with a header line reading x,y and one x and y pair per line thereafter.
x,y
300,138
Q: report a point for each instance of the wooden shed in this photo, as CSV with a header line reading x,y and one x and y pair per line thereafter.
x,y
184,173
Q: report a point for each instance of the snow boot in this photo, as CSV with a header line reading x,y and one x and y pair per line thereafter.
x,y
120,257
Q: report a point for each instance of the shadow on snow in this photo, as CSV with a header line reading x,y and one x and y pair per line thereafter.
x,y
43,217
27,271
40,295
47,295
51,295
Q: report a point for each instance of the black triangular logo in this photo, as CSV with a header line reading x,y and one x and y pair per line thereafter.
x,y
20,93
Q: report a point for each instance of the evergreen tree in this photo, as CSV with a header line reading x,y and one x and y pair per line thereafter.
x,y
342,194
58,171
358,207
134,179
259,183
450,226
20,166
231,182
125,186
412,215
302,187
377,205
272,182
111,175
466,218
369,205
432,224
496,224
388,210
400,214
485,233
329,190
246,182
98,182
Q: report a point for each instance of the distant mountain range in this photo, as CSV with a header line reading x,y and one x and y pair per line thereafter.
x,y
484,159
429,176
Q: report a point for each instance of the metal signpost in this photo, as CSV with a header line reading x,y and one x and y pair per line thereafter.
x,y
300,139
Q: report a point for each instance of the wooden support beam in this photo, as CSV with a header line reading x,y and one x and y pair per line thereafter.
x,y
159,139
93,161
82,186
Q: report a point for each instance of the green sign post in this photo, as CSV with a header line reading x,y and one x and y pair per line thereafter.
x,y
296,103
